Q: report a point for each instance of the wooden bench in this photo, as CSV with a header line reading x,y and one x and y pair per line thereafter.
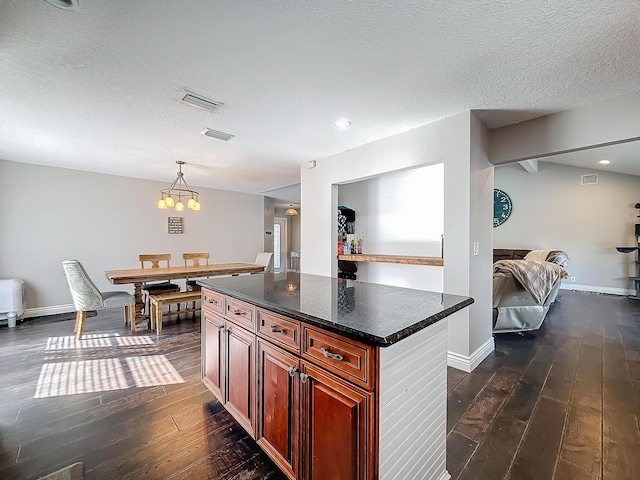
x,y
159,300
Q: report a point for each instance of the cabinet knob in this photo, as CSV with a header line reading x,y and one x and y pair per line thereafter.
x,y
303,378
292,371
328,354
275,329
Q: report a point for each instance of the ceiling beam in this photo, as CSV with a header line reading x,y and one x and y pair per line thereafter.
x,y
530,166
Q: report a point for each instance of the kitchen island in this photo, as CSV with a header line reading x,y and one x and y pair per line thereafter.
x,y
334,378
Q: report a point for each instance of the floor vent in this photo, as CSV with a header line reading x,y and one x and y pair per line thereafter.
x,y
216,134
589,179
198,101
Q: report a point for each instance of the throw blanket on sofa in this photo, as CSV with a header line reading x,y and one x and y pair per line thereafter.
x,y
538,255
537,277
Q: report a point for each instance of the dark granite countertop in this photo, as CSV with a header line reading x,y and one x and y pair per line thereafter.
x,y
368,312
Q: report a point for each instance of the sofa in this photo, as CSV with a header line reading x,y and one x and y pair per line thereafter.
x,y
525,284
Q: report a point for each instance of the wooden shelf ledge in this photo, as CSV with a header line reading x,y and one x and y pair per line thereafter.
x,y
432,261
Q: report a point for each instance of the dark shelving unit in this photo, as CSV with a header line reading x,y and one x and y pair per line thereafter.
x,y
635,279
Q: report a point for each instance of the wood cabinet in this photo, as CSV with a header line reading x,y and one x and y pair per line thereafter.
x,y
213,347
278,429
338,427
311,419
324,406
240,371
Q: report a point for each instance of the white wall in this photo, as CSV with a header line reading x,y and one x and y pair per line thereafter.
x,y
449,141
106,221
269,216
551,209
609,121
400,213
481,231
294,229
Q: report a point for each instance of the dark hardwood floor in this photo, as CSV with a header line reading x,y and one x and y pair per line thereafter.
x,y
559,403
562,402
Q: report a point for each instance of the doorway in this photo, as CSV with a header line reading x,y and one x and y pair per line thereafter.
x,y
279,245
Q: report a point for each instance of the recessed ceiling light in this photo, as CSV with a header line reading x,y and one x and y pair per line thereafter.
x,y
342,124
604,162
66,4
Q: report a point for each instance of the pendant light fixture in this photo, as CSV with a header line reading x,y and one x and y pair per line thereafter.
x,y
290,211
179,188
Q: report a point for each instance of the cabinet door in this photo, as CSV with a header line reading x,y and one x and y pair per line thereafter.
x,y
338,427
240,376
279,407
213,373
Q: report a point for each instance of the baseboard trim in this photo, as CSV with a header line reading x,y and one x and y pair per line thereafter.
x,y
596,289
469,363
42,311
445,475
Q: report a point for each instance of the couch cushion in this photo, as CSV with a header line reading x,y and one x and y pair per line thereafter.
x,y
509,254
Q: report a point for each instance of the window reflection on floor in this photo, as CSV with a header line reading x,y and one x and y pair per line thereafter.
x,y
87,375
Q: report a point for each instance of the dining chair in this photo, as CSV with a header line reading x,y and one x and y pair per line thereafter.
x,y
155,259
265,259
86,296
196,260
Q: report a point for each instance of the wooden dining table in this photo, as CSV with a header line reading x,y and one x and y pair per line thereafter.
x,y
139,276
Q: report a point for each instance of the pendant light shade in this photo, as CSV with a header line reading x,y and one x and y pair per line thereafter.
x,y
291,211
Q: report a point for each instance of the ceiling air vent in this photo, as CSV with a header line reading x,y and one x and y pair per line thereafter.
x,y
216,134
198,101
589,179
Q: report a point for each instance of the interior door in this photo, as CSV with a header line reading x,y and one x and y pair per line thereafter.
x,y
279,245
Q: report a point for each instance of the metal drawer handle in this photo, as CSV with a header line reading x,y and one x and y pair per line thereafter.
x,y
328,354
292,371
212,301
275,330
238,312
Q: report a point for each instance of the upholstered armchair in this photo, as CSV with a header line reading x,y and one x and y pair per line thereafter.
x,y
86,296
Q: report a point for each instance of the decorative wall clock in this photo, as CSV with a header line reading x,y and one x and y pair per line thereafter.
x,y
502,207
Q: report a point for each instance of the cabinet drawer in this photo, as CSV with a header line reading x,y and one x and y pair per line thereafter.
x,y
240,312
212,301
282,330
350,359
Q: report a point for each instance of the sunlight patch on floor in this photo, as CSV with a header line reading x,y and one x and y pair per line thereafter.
x,y
134,341
96,340
85,376
152,370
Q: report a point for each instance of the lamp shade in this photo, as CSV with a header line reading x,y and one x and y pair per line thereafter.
x,y
291,211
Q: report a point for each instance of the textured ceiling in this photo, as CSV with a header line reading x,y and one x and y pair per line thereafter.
x,y
95,88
